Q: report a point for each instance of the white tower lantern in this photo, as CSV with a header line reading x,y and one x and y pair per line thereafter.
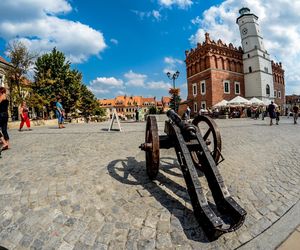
x,y
256,60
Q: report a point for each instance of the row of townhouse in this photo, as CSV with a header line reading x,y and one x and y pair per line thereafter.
x,y
126,106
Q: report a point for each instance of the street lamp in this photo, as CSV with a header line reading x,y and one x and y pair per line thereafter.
x,y
173,91
173,77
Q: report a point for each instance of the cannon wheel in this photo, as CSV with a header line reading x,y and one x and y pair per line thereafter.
x,y
211,135
152,153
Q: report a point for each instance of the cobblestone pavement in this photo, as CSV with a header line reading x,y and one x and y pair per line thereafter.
x,y
85,188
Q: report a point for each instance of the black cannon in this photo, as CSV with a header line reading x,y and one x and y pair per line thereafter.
x,y
200,150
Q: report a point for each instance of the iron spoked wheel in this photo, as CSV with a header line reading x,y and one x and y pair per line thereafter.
x,y
152,152
211,135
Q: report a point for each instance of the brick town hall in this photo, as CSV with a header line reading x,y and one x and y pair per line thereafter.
x,y
217,72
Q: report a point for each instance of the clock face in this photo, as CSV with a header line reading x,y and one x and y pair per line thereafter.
x,y
245,31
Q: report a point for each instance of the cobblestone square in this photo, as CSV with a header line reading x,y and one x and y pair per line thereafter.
x,y
85,188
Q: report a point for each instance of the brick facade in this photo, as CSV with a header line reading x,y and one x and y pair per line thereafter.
x,y
279,83
215,64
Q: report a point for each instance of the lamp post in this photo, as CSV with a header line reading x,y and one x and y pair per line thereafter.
x,y
173,91
173,77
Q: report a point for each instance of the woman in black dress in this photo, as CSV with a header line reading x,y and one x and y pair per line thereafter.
x,y
4,117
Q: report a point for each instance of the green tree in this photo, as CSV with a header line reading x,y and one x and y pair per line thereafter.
x,y
175,98
54,76
21,61
88,102
153,110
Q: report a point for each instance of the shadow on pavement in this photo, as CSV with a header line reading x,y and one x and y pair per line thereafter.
x,y
121,169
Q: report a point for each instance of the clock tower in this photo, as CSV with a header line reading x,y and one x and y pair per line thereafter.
x,y
256,60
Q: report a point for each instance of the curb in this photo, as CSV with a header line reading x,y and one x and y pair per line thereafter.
x,y
275,235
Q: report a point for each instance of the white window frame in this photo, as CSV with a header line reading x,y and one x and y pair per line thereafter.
x,y
194,86
203,102
202,83
226,81
195,107
235,84
275,93
279,94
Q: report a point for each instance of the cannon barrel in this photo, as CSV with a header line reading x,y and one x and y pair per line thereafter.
x,y
175,118
187,129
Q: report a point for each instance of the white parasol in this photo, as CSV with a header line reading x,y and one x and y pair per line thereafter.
x,y
256,102
238,101
222,103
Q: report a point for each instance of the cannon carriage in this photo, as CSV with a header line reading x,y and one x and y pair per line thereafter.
x,y
196,150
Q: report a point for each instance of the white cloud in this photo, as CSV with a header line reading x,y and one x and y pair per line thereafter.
x,y
104,85
171,64
135,79
279,24
35,23
158,85
114,41
110,81
154,14
182,4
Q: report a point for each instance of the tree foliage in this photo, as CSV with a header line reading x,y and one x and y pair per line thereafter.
x,y
54,77
21,60
153,110
175,98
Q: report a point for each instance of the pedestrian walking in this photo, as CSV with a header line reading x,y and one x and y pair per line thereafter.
x,y
295,110
60,113
4,118
272,114
24,116
277,116
137,114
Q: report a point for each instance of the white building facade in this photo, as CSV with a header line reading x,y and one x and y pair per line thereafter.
x,y
256,60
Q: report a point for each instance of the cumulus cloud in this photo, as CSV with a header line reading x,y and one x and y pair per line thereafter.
x,y
111,86
135,79
36,23
114,41
158,85
278,21
154,14
182,4
171,64
104,85
110,81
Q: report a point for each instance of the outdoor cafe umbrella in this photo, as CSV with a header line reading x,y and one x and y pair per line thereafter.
x,y
268,102
238,101
222,103
256,102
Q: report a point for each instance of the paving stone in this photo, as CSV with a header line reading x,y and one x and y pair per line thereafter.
x,y
100,246
26,240
37,244
49,197
148,233
66,246
72,237
163,227
163,241
146,244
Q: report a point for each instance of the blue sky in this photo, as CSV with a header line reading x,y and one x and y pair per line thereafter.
x,y
127,46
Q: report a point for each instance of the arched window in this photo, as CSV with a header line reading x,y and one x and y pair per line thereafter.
x,y
250,69
268,89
